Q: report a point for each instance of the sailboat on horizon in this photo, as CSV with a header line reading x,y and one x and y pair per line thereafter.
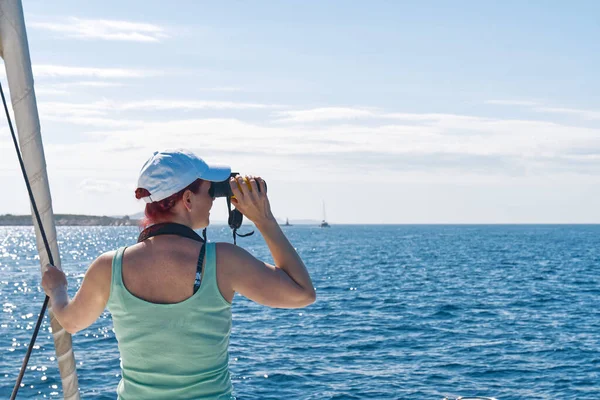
x,y
324,223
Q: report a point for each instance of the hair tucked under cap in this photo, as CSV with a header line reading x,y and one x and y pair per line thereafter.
x,y
162,209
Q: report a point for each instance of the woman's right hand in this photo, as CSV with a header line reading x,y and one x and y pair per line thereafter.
x,y
53,280
251,202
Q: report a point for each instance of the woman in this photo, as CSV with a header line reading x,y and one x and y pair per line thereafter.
x,y
170,295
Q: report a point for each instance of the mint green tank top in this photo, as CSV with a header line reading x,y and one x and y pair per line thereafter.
x,y
173,351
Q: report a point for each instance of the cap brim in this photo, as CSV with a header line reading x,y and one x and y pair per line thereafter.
x,y
216,173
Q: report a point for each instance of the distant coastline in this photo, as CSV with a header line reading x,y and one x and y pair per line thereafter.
x,y
135,219
70,220
95,220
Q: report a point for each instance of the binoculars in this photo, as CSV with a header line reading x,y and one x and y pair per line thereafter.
x,y
223,189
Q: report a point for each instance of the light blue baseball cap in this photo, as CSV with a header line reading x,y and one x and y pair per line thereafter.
x,y
169,171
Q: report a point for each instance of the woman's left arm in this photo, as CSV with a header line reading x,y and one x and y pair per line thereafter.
x,y
90,300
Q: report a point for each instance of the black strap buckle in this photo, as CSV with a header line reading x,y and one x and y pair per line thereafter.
x,y
235,222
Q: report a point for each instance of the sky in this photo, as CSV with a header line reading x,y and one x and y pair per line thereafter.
x,y
384,111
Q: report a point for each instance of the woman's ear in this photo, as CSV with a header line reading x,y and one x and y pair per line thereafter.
x,y
187,200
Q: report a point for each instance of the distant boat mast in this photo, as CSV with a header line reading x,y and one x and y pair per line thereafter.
x,y
324,223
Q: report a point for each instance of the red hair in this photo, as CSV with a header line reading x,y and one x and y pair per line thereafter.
x,y
164,208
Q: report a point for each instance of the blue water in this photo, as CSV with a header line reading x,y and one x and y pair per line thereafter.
x,y
403,312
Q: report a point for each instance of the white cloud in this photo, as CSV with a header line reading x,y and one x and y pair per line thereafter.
x,y
438,145
537,107
167,104
66,88
512,102
97,122
324,114
96,108
95,114
585,114
393,143
100,84
100,186
102,114
348,114
221,89
61,71
80,28
48,90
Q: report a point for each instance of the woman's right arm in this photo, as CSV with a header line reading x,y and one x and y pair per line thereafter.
x,y
286,284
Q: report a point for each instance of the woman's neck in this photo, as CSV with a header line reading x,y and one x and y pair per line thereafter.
x,y
175,219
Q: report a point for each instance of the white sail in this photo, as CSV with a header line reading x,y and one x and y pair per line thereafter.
x,y
15,52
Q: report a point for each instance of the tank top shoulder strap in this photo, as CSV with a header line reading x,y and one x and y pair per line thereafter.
x,y
210,273
116,273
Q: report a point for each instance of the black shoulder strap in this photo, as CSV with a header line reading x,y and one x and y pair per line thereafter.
x,y
170,228
198,279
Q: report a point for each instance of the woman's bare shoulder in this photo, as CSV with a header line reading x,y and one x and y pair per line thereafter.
x,y
229,254
100,270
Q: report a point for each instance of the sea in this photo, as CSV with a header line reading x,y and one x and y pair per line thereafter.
x,y
402,312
